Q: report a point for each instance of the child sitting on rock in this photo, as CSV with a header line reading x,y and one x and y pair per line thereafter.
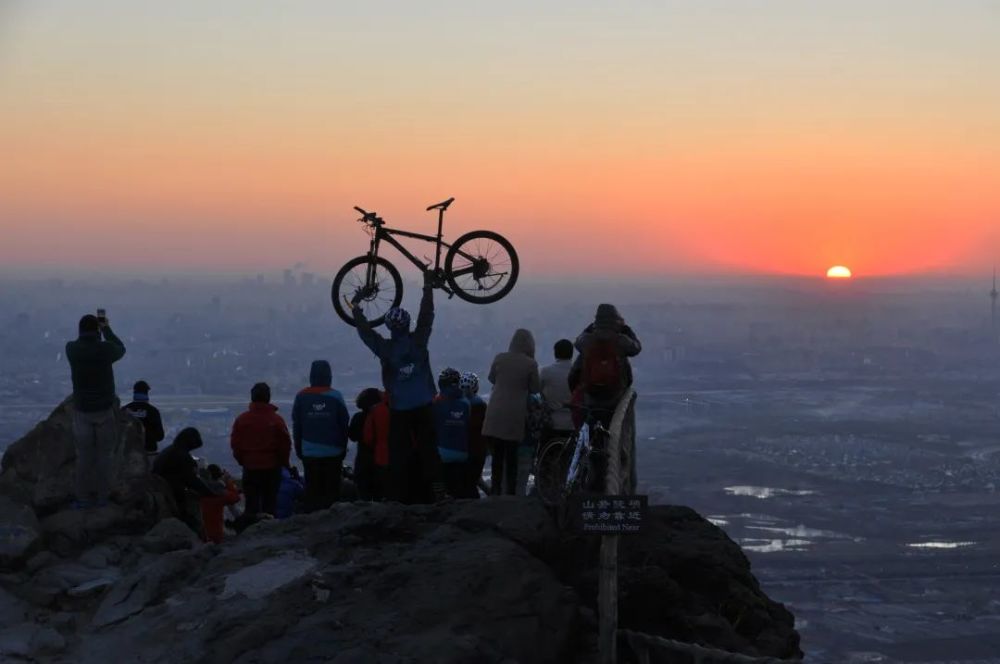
x,y
213,507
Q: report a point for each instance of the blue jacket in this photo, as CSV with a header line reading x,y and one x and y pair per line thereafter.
x,y
406,363
290,491
319,417
451,426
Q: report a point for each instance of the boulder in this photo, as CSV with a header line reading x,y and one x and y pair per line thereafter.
x,y
467,581
683,578
148,585
71,579
12,609
19,532
30,641
38,469
71,531
169,535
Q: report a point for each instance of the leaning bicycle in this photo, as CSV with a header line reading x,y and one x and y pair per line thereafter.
x,y
567,466
479,267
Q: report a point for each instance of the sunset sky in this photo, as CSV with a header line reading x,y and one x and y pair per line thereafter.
x,y
640,137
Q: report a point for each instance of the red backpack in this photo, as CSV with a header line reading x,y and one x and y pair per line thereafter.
x,y
602,374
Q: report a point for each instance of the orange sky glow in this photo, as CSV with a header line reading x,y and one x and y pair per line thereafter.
x,y
687,137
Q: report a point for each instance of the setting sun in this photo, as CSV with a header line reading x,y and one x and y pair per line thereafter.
x,y
838,272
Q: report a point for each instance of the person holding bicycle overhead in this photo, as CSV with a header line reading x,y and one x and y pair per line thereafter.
x,y
409,382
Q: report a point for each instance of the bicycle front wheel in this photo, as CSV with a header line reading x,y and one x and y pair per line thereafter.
x,y
481,267
384,292
550,472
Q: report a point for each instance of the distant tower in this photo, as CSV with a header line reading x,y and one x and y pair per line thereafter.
x,y
993,306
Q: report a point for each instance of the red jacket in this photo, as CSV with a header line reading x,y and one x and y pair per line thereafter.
x,y
376,433
260,439
212,513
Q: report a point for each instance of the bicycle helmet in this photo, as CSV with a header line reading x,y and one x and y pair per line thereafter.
x,y
469,383
449,378
397,319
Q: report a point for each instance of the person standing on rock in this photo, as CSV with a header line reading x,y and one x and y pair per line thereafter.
x,y
148,414
556,392
364,457
406,373
261,445
514,375
478,449
451,425
319,431
95,408
375,437
602,372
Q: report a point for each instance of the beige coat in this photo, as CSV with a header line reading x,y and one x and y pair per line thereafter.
x,y
514,375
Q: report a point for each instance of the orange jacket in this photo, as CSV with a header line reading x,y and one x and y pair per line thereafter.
x,y
212,509
376,432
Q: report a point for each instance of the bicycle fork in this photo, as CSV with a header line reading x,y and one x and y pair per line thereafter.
x,y
582,443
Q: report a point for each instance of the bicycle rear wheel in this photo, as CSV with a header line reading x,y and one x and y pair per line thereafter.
x,y
481,267
550,473
385,292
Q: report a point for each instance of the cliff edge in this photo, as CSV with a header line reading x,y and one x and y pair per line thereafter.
x,y
469,581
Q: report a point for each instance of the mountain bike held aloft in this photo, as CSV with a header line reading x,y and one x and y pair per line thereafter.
x,y
479,267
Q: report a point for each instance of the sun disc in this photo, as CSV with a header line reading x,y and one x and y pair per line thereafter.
x,y
838,272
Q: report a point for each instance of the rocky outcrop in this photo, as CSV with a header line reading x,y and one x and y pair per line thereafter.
x,y
37,470
470,581
20,532
36,488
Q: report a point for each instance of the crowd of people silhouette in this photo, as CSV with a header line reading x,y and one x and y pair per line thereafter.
x,y
419,440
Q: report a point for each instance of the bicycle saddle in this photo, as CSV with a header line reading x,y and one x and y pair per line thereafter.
x,y
443,205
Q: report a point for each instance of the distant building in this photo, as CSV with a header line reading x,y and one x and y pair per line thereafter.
x,y
993,308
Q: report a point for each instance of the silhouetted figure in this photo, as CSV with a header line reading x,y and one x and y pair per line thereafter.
x,y
261,445
451,425
376,437
514,375
290,492
406,373
478,448
226,494
176,465
364,457
602,371
148,414
95,406
556,392
319,431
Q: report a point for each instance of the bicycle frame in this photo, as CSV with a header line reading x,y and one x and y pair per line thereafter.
x,y
385,234
582,443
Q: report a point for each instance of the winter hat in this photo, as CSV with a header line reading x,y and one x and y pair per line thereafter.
x,y
89,325
260,393
320,375
189,439
607,316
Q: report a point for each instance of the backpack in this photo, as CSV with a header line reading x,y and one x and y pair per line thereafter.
x,y
602,375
